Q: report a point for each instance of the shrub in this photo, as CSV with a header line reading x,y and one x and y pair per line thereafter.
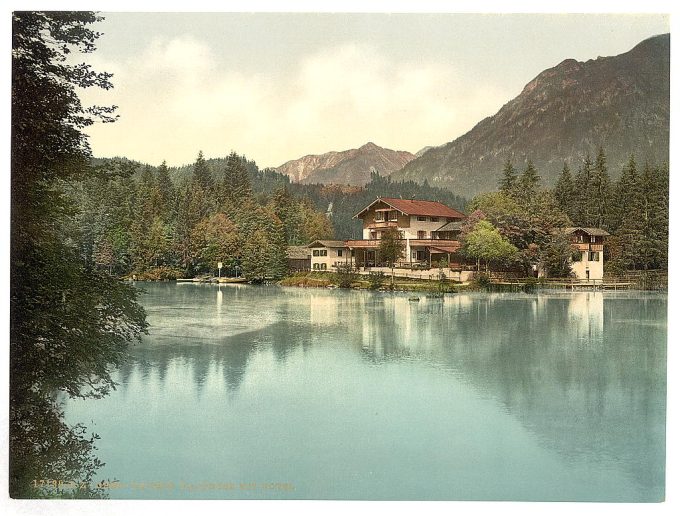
x,y
482,281
375,280
346,275
161,273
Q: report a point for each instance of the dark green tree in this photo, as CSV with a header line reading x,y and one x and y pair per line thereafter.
x,y
164,191
201,176
236,187
582,214
565,193
508,181
598,194
70,322
624,194
528,183
556,256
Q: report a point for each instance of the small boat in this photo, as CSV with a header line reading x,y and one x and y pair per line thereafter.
x,y
414,299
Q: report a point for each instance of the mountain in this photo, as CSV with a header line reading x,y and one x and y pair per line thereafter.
x,y
565,113
347,167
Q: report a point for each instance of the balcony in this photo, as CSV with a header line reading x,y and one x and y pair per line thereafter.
x,y
381,224
586,246
370,244
433,242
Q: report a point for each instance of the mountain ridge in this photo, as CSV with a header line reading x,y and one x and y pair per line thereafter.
x,y
566,112
352,166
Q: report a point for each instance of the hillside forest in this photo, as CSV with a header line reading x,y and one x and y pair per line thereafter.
x,y
163,223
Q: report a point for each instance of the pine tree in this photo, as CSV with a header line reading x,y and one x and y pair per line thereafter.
x,y
582,215
528,183
564,191
508,181
236,188
598,195
624,194
201,176
165,190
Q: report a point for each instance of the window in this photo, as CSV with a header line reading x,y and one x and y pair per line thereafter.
x,y
402,235
315,266
421,234
379,216
421,218
393,215
322,266
593,256
315,252
434,219
340,252
414,255
592,239
352,253
323,252
580,239
371,235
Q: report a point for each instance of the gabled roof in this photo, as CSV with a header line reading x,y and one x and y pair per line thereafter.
x,y
417,207
327,243
297,252
590,231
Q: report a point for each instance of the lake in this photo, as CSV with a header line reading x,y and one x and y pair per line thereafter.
x,y
258,392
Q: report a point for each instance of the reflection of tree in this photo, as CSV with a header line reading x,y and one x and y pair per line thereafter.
x,y
584,373
586,396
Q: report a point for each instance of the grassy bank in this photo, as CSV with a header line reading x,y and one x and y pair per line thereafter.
x,y
329,279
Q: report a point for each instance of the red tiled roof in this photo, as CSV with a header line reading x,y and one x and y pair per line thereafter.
x,y
416,207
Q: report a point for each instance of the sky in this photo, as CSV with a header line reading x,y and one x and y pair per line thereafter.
x,y
278,86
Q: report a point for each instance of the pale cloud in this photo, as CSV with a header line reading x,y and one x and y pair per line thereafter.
x,y
175,99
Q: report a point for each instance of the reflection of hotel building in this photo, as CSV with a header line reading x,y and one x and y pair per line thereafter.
x,y
586,314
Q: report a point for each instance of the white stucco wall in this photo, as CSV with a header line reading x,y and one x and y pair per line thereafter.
x,y
330,259
591,270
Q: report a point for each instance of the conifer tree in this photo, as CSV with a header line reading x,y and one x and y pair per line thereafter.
x,y
528,183
624,195
201,176
508,181
165,189
236,186
564,191
598,194
582,215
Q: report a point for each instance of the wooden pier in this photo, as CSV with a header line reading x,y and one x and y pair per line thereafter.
x,y
515,286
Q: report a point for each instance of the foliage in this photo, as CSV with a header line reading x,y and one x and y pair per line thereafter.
x,y
482,281
391,247
508,181
215,239
486,243
564,191
556,256
70,322
375,279
346,275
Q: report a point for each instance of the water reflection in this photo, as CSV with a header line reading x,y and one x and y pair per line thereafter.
x,y
582,373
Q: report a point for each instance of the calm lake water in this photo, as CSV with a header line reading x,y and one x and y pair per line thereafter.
x,y
270,392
